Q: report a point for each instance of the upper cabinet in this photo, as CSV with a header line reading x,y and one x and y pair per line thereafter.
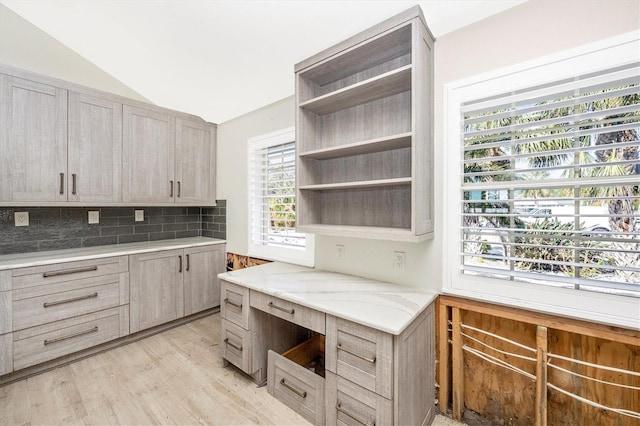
x,y
63,144
364,134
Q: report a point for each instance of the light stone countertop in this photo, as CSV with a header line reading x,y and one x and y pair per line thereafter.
x,y
383,306
25,260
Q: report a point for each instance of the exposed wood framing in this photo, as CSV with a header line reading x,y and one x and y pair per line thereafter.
x,y
541,376
457,365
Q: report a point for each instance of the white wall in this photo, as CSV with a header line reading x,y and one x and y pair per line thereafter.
x,y
534,29
23,45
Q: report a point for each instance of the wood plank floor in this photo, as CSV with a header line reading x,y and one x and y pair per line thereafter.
x,y
173,378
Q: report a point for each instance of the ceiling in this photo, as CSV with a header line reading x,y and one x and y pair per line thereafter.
x,y
221,58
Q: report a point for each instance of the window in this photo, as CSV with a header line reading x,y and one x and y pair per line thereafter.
x,y
272,192
548,181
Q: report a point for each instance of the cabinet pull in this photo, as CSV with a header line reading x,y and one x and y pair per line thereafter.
x,y
74,299
179,189
353,416
61,183
301,394
180,263
70,271
229,302
236,347
187,259
73,183
171,190
80,333
349,351
285,310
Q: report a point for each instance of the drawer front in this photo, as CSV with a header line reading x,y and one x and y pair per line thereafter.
x,y
300,389
54,302
50,274
234,304
297,314
236,345
39,344
360,354
350,404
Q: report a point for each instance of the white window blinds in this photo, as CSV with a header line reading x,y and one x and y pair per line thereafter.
x,y
551,184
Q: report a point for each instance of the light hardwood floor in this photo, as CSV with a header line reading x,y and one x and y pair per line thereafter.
x,y
175,377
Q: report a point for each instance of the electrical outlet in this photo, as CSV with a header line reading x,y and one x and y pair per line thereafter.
x,y
94,217
340,252
399,260
139,215
21,218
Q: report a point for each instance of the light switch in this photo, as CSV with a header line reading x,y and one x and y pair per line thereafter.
x,y
139,215
94,217
21,218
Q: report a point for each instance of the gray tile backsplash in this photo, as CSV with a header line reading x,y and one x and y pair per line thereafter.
x,y
55,228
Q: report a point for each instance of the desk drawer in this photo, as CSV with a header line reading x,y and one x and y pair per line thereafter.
x,y
234,306
236,345
350,404
297,314
360,354
39,344
68,271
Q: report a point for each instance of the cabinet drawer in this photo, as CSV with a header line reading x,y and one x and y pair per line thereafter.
x,y
236,345
39,344
68,271
53,302
297,314
290,380
350,404
234,306
360,354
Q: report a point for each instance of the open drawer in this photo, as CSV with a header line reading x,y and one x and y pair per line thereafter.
x,y
297,378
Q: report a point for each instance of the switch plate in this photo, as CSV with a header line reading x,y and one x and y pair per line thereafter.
x,y
399,260
139,215
340,252
94,217
21,218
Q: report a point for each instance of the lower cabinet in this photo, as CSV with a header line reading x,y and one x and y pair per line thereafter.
x,y
201,284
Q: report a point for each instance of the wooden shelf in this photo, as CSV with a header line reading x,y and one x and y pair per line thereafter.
x,y
379,183
381,86
373,232
387,143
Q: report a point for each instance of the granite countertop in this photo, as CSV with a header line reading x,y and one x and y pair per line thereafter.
x,y
383,306
24,260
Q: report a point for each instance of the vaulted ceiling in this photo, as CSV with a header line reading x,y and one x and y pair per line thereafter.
x,y
221,58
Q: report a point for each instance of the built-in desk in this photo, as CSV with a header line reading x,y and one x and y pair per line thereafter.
x,y
378,341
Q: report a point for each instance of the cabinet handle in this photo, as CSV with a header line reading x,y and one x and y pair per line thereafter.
x,y
80,333
61,183
187,263
349,351
74,299
236,347
70,271
179,189
353,416
285,310
229,302
73,183
171,190
180,265
301,394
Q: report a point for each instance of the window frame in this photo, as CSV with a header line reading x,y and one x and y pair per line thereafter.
x,y
605,308
293,255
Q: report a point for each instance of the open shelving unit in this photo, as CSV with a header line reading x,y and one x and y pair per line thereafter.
x,y
364,134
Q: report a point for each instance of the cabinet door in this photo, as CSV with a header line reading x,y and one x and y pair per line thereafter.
x,y
95,149
156,292
148,141
33,141
201,284
195,161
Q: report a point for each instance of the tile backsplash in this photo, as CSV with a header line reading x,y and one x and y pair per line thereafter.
x,y
54,228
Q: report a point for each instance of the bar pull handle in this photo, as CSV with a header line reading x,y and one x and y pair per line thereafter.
x,y
171,190
73,183
234,346
70,271
180,263
179,189
285,310
74,299
80,333
301,394
61,183
349,351
229,302
187,263
353,416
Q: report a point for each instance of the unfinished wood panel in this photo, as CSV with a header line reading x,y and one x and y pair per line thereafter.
x,y
541,376
443,361
457,365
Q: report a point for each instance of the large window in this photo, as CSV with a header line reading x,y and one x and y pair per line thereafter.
x,y
548,180
272,193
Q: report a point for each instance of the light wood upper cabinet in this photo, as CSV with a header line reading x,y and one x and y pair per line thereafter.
x,y
33,141
195,161
201,284
95,149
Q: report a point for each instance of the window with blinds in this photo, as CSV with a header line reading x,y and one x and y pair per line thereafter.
x,y
551,184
